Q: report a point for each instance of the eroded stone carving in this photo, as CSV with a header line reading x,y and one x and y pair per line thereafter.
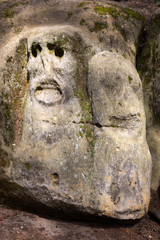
x,y
83,134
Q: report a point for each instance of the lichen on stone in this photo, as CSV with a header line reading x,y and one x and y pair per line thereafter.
x,y
69,15
125,13
82,4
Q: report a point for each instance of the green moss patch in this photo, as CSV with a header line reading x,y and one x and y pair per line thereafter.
x,y
56,44
4,159
18,30
149,59
130,79
15,77
85,106
98,26
86,129
27,165
100,10
8,13
125,13
82,22
129,13
69,15
82,4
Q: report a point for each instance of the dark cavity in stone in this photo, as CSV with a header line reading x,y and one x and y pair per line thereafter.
x,y
59,52
35,49
51,46
55,177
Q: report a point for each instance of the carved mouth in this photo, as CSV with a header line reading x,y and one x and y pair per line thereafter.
x,y
48,93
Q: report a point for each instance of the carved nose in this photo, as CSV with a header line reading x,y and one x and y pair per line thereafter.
x,y
47,64
50,62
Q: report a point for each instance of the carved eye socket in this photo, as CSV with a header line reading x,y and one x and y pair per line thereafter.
x,y
51,46
48,93
59,52
35,49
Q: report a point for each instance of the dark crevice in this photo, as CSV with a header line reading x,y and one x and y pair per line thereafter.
x,y
154,207
28,56
28,76
143,37
146,64
141,43
98,125
155,215
85,123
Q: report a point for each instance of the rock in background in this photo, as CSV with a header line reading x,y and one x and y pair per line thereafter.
x,y
149,69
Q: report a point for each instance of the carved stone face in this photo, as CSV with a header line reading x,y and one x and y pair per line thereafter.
x,y
83,134
52,100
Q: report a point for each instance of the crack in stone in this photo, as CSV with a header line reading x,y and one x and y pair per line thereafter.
x,y
86,123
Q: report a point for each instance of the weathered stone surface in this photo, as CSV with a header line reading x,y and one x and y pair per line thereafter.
x,y
73,123
153,138
115,88
149,69
117,107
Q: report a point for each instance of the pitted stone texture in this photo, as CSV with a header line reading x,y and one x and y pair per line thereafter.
x,y
117,106
115,88
83,126
122,185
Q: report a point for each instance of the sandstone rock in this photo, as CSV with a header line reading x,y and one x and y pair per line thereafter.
x,y
73,123
149,69
117,108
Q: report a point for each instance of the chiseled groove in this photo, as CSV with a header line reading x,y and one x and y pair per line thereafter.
x,y
88,123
